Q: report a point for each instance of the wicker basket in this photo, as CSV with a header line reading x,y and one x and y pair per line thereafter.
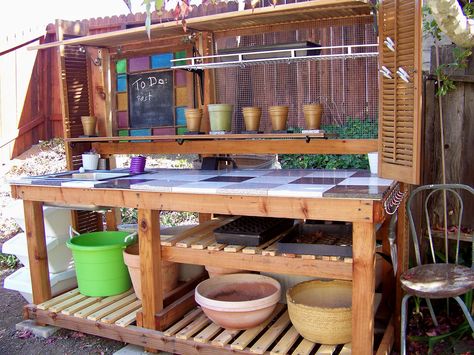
x,y
321,310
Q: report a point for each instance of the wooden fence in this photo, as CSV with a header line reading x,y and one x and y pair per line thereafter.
x,y
458,112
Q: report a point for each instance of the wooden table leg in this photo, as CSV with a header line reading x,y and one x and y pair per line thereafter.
x,y
363,287
150,265
37,252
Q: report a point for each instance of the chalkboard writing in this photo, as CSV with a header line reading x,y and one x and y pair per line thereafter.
x,y
150,99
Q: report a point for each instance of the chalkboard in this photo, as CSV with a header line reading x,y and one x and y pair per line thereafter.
x,y
150,99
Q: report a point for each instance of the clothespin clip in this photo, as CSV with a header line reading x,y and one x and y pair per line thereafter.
x,y
390,44
403,75
386,72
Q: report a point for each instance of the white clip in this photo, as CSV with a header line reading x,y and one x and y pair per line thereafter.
x,y
403,75
386,72
390,44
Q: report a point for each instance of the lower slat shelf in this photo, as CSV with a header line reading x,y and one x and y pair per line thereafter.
x,y
192,334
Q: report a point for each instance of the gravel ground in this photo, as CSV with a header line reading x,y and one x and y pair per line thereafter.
x,y
48,157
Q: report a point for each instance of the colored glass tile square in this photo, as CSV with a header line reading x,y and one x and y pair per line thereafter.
x,y
138,64
121,66
180,118
122,101
122,119
164,131
181,96
123,133
181,130
121,83
140,132
180,78
179,55
161,60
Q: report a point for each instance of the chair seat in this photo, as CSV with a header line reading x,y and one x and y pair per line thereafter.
x,y
438,280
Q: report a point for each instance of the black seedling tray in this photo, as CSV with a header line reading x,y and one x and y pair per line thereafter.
x,y
251,231
318,239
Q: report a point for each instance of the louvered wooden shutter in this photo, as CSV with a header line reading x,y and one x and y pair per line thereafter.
x,y
75,102
400,101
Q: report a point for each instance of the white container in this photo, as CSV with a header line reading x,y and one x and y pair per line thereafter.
x,y
56,220
373,161
20,281
59,256
90,161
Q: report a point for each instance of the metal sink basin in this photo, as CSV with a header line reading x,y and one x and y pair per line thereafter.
x,y
97,176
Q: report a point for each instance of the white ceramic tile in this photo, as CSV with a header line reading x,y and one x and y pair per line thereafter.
x,y
299,190
288,172
366,181
79,183
180,176
157,185
332,173
273,179
246,172
246,188
201,187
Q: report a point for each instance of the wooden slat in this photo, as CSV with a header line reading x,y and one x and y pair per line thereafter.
x,y
68,302
258,249
267,339
326,349
122,312
346,349
216,246
58,299
233,248
304,348
225,337
207,333
286,342
183,322
246,337
204,242
128,319
84,313
203,227
112,308
271,250
192,328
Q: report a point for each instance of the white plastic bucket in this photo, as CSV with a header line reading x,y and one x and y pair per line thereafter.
x,y
90,161
373,162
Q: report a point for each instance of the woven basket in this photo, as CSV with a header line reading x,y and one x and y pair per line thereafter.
x,y
321,310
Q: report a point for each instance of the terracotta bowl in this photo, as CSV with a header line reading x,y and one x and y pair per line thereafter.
x,y
238,301
214,271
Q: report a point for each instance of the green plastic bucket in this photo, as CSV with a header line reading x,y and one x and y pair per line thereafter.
x,y
98,258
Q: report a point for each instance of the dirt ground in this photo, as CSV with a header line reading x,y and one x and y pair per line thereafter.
x,y
45,158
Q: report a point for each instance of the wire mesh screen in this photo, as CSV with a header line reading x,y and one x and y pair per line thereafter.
x,y
347,88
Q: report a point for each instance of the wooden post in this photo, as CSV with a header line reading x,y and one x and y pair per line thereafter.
x,y
150,265
363,287
37,252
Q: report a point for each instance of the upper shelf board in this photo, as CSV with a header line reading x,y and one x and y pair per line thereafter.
x,y
259,17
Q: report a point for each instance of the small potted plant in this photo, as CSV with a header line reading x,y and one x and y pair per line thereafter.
x,y
220,116
312,115
278,116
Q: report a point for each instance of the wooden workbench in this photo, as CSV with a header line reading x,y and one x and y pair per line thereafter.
x,y
360,205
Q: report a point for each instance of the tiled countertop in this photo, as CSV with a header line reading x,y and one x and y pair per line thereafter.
x,y
307,183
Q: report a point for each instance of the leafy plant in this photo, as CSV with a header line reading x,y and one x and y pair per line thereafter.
x,y
354,128
8,260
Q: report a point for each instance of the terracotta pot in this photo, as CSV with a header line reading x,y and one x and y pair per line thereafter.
x,y
252,118
220,116
88,125
214,271
278,116
193,119
170,271
239,301
312,115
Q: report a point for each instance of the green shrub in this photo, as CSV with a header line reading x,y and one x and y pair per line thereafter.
x,y
354,128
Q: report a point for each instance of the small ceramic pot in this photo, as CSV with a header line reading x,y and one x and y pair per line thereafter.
x,y
193,119
88,125
214,271
278,116
252,118
312,115
220,116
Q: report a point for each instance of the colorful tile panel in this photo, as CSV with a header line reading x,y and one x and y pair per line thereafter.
x,y
121,66
180,118
181,96
161,60
180,78
122,119
138,64
121,83
122,102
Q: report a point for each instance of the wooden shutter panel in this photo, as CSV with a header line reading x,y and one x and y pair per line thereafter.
x,y
76,102
400,101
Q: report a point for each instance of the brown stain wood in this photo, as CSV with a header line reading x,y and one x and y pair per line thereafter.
x,y
37,252
175,311
150,265
363,286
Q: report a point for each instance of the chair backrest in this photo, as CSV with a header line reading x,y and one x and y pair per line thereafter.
x,y
447,191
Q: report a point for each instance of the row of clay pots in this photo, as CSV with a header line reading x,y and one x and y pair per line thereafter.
x,y
221,117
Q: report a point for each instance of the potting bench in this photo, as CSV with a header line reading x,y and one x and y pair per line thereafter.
x,y
399,25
